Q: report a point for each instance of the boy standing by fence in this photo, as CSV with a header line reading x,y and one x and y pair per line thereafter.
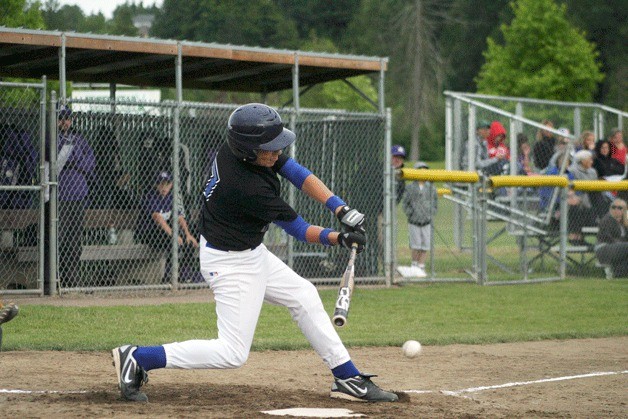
x,y
420,202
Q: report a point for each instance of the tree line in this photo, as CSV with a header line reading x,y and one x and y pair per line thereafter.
x,y
572,50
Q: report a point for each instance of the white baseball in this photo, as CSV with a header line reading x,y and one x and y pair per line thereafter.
x,y
411,348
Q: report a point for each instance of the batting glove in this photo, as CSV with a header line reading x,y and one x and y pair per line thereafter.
x,y
347,240
351,219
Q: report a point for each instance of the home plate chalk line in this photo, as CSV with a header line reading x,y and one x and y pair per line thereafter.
x,y
518,383
464,390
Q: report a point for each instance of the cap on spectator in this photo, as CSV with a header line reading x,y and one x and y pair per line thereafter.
x,y
64,111
483,123
563,130
398,150
163,177
421,165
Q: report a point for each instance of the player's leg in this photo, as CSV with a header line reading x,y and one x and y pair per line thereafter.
x,y
239,294
286,288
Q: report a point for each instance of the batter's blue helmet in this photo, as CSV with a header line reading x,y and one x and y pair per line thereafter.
x,y
256,126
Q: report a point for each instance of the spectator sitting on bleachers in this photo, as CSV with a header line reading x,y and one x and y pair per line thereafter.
x,y
543,148
524,165
496,142
612,239
562,145
618,148
585,142
482,163
603,163
585,208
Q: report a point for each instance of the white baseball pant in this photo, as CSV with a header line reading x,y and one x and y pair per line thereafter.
x,y
241,282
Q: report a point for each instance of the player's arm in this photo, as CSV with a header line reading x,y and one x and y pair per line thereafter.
x,y
309,183
305,232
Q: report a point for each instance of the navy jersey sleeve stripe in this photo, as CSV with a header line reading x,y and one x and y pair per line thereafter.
x,y
294,172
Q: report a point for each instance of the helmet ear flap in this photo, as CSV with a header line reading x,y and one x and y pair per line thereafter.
x,y
241,151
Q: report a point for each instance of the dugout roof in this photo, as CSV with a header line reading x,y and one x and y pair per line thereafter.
x,y
89,58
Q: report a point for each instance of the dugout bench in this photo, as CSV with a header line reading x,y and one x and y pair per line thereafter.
x,y
19,262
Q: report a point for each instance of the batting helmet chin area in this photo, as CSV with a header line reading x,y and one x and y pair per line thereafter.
x,y
256,126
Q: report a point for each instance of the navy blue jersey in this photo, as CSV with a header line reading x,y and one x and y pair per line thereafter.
x,y
240,199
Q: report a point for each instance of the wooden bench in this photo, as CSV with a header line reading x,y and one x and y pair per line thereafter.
x,y
14,220
96,252
20,262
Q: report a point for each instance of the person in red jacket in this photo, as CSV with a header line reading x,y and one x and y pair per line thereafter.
x,y
496,142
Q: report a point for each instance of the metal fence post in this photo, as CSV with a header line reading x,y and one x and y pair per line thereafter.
x,y
42,191
52,168
563,230
482,236
176,174
389,190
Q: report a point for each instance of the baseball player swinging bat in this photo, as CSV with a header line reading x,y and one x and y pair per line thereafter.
x,y
346,289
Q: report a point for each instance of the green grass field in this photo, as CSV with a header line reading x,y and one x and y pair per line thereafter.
x,y
435,314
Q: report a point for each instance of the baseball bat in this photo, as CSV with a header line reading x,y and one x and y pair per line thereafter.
x,y
346,289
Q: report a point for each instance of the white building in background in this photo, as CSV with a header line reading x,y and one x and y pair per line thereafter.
x,y
143,23
129,101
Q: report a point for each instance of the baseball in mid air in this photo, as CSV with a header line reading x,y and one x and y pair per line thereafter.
x,y
411,348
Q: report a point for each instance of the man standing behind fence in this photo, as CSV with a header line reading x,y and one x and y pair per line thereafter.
x,y
420,202
75,164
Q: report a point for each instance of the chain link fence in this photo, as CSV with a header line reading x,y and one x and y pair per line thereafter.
x,y
513,136
123,166
22,119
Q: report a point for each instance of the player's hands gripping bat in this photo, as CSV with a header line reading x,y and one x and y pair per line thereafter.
x,y
346,289
351,219
352,238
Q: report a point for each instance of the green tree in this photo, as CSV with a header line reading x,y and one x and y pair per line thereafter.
x,y
336,94
325,18
605,24
21,13
66,18
543,56
238,22
122,21
463,39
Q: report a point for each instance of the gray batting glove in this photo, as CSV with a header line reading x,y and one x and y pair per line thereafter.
x,y
351,219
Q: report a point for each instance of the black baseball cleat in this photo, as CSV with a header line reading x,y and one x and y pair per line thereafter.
x,y
360,389
130,375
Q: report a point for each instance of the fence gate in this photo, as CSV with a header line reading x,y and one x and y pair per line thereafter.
x,y
22,186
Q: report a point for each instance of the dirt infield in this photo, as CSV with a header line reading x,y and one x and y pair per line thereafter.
x,y
575,378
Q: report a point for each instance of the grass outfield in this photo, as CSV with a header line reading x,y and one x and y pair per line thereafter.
x,y
435,314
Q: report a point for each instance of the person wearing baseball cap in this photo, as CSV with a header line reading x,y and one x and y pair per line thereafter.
x,y
398,153
154,226
241,198
420,203
75,167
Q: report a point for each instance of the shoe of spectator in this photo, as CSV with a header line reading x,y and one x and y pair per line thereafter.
x,y
419,272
